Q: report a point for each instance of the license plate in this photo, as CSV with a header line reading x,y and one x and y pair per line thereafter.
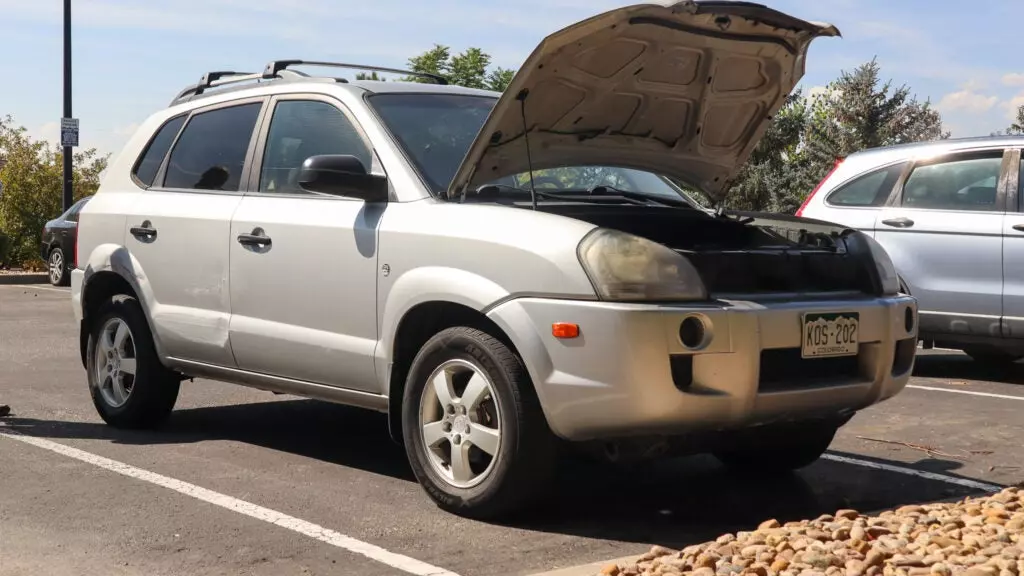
x,y
830,335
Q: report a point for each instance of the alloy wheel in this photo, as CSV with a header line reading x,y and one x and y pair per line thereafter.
x,y
116,362
56,266
460,423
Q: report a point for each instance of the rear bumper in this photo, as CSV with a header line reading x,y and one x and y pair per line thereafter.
x,y
628,373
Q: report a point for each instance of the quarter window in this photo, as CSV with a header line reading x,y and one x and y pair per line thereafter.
x,y
869,190
300,129
962,184
210,154
148,165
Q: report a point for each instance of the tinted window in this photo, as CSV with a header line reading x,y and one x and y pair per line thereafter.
x,y
435,130
1020,186
75,209
964,184
300,129
210,154
148,165
871,189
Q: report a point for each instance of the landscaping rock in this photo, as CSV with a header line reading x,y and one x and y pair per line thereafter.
x,y
972,537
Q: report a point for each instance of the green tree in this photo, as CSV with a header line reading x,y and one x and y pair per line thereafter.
x,y
371,76
470,68
32,179
855,112
774,172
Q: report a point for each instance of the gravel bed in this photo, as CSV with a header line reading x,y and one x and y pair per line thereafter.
x,y
978,536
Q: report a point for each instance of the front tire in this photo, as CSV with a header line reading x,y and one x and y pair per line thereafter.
x,y
57,268
474,432
780,450
130,387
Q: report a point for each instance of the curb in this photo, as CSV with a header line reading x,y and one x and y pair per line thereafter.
x,y
17,279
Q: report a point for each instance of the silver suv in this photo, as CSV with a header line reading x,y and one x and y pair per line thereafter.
x,y
504,275
949,215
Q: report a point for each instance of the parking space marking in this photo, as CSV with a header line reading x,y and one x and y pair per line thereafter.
x,y
969,392
964,482
397,561
37,287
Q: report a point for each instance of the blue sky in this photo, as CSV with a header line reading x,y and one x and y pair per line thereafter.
x,y
132,56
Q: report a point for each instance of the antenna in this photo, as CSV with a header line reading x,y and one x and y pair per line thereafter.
x,y
526,138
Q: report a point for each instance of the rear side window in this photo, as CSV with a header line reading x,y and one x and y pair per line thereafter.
x,y
956,184
210,154
149,163
868,190
73,213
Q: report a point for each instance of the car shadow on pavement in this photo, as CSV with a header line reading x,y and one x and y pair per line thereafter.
x,y
954,366
684,501
672,502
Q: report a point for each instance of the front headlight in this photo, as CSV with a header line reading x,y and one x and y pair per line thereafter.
x,y
622,266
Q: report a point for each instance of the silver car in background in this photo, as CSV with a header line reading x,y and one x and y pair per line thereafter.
x,y
949,215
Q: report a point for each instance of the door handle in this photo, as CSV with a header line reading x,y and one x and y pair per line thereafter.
x,y
1018,227
143,231
257,238
901,222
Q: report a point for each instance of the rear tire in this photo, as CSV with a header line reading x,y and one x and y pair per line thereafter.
x,y
466,388
780,450
992,356
130,387
57,268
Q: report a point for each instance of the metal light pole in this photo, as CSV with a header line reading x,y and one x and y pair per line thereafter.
x,y
68,169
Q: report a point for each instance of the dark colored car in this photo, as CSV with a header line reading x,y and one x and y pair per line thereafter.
x,y
58,244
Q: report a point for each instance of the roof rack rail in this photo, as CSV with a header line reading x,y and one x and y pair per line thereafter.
x,y
276,66
223,77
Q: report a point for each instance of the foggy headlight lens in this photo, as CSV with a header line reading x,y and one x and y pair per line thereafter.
x,y
626,267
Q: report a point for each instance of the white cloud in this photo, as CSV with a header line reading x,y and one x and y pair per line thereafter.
x,y
1013,79
967,101
1012,105
49,132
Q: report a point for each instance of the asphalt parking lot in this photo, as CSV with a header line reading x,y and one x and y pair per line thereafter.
x,y
246,482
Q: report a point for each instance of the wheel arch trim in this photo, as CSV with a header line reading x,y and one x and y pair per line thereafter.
x,y
115,259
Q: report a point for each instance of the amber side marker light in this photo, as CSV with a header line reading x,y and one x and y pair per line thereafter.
x,y
565,330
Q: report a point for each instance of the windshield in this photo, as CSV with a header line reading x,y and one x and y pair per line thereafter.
x,y
436,131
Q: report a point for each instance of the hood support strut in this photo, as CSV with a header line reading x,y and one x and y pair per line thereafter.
x,y
521,96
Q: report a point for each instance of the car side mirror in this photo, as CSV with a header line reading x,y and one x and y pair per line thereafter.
x,y
342,175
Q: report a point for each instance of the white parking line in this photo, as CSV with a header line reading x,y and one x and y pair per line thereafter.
x,y
969,392
398,561
965,482
38,287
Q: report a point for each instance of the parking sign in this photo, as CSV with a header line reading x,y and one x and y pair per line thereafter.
x,y
69,132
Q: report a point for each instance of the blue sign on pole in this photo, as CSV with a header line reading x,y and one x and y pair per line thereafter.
x,y
69,132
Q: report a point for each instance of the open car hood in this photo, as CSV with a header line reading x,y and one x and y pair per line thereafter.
x,y
684,90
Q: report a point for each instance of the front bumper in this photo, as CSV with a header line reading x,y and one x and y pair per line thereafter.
x,y
629,374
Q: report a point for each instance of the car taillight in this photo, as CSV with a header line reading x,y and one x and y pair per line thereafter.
x,y
800,211
75,263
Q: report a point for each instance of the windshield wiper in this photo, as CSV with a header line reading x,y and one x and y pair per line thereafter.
x,y
632,198
646,198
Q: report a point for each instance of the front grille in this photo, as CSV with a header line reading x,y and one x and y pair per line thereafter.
x,y
784,369
778,271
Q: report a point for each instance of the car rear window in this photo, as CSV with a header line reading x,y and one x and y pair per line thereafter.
x,y
149,163
867,190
